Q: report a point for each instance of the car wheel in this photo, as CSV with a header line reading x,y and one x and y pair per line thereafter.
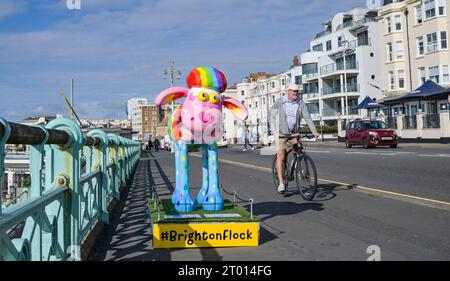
x,y
364,143
347,143
394,146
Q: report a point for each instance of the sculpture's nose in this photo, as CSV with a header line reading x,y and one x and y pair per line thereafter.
x,y
205,117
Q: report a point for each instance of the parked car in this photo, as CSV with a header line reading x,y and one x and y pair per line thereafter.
x,y
222,143
370,133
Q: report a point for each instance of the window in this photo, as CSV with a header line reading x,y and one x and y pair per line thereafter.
x,y
433,71
391,80
318,47
432,45
443,40
401,79
328,45
441,7
389,51
388,25
309,68
282,82
273,98
420,49
339,41
242,93
445,75
399,49
419,14
422,75
430,10
298,79
146,112
398,23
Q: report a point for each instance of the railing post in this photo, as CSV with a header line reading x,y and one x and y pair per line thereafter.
x,y
114,156
3,139
41,243
66,171
419,123
122,161
101,164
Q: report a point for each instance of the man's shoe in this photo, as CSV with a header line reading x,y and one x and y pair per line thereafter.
x,y
281,188
253,148
244,150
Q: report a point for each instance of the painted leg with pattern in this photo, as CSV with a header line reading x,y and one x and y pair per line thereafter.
x,y
213,200
204,189
185,203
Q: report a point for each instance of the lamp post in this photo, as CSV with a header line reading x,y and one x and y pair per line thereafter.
x,y
171,73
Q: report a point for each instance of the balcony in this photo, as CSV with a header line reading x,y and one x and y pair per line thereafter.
x,y
323,33
329,112
310,76
355,24
310,95
351,87
335,67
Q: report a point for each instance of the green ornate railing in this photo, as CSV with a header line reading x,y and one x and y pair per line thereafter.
x,y
65,203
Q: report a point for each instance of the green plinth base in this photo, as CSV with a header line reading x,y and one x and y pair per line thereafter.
x,y
231,227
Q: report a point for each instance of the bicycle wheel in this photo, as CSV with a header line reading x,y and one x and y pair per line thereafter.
x,y
306,177
275,174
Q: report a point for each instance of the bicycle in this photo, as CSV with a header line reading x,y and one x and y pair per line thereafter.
x,y
302,168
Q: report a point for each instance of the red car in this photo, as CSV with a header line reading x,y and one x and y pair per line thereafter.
x,y
370,133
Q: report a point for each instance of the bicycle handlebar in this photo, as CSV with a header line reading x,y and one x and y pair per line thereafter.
x,y
308,136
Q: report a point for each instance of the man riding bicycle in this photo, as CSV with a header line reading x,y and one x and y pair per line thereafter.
x,y
291,110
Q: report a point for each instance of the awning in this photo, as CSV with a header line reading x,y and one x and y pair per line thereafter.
x,y
368,103
429,90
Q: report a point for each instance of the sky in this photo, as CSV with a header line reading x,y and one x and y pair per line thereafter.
x,y
117,49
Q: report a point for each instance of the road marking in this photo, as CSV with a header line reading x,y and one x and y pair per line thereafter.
x,y
385,192
372,153
318,151
434,155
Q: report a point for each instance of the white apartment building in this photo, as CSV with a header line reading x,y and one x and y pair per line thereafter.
x,y
258,92
135,115
342,66
414,48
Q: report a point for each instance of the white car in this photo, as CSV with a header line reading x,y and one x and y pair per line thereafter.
x,y
222,143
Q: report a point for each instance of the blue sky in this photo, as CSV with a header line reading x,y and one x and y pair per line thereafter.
x,y
117,49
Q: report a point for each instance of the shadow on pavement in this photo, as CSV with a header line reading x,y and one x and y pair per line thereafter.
x,y
269,210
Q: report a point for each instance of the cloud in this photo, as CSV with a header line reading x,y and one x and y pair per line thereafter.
x,y
9,8
118,49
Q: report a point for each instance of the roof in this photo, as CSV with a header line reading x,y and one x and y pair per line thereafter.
x,y
429,90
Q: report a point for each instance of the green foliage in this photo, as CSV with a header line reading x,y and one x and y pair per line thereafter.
x,y
26,181
326,129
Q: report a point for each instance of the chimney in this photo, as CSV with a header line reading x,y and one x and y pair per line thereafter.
x,y
295,60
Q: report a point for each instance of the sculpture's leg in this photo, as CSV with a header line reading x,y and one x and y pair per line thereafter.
x,y
204,189
178,188
213,200
185,203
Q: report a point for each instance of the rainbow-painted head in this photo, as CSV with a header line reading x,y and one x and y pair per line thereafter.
x,y
199,119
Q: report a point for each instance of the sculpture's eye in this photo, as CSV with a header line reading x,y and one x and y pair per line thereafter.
x,y
214,98
203,96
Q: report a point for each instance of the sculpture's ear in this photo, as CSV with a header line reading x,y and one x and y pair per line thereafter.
x,y
236,107
170,95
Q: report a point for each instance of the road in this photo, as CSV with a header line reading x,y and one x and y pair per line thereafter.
x,y
340,224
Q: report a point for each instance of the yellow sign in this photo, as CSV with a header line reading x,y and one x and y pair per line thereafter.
x,y
202,235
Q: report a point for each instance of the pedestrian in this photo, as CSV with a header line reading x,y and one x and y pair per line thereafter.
x,y
156,144
150,145
246,140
